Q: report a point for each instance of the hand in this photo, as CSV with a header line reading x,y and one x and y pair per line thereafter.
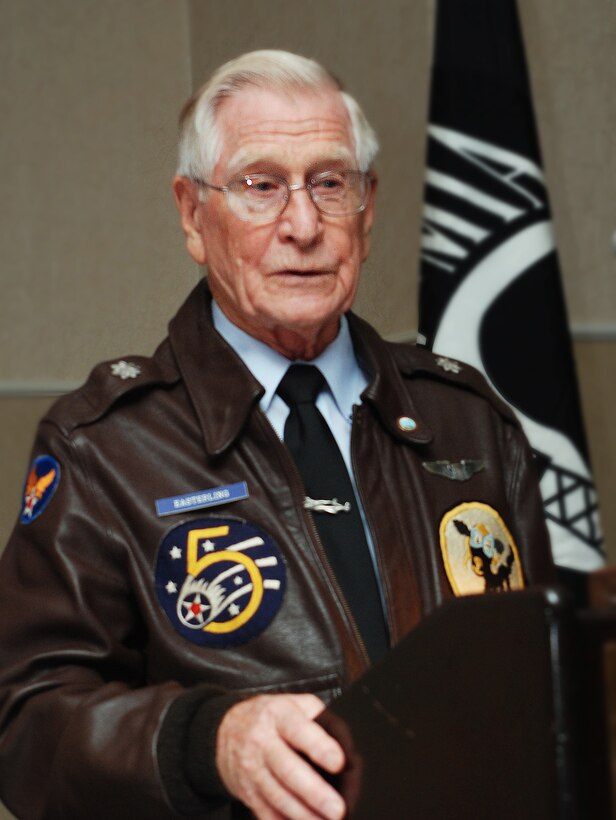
x,y
257,748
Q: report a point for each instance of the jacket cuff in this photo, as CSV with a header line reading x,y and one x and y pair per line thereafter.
x,y
186,750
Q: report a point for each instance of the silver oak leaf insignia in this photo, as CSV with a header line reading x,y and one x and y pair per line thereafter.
x,y
125,370
448,365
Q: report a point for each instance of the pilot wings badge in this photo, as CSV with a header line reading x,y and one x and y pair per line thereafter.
x,y
220,581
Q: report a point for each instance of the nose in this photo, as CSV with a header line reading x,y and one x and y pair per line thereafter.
x,y
300,222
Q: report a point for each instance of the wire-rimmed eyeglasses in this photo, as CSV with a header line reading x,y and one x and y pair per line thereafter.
x,y
263,197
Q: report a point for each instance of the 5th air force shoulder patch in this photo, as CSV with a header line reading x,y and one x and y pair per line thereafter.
x,y
478,550
220,581
41,484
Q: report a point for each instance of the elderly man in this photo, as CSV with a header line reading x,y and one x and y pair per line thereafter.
x,y
216,540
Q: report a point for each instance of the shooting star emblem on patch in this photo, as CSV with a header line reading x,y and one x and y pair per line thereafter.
x,y
220,581
478,550
41,484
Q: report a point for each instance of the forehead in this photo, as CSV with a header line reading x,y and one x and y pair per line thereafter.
x,y
260,124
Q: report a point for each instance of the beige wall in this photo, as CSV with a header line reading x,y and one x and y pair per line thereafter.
x,y
596,375
91,259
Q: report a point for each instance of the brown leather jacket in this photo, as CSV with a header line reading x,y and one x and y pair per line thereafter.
x,y
93,656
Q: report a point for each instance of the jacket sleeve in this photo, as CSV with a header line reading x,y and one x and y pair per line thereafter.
x,y
79,721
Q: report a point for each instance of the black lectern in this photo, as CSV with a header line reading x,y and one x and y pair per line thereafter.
x,y
493,708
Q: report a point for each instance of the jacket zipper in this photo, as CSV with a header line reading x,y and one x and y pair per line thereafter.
x,y
357,421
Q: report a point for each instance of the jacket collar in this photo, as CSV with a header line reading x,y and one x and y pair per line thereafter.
x,y
386,392
223,391
221,388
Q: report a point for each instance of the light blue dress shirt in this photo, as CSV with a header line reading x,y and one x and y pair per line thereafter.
x,y
344,377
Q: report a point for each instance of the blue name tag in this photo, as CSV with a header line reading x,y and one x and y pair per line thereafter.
x,y
202,498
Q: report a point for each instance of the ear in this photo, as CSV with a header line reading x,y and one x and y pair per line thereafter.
x,y
186,194
368,215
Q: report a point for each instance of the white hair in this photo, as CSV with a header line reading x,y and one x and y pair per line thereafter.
x,y
200,138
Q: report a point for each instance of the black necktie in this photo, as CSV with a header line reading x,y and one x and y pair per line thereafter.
x,y
325,477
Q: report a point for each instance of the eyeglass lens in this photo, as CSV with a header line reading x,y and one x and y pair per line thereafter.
x,y
263,196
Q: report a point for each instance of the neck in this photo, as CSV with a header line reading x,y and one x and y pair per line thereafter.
x,y
298,345
293,343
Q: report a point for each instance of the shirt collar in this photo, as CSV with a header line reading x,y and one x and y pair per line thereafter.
x,y
337,362
344,376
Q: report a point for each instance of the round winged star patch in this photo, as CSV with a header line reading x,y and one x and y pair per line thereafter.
x,y
479,552
220,581
41,484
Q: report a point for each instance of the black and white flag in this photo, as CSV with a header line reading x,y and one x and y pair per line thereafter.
x,y
490,291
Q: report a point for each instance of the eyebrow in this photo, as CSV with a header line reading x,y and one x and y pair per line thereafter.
x,y
245,158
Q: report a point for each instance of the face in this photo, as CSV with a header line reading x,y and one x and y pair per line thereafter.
x,y
286,282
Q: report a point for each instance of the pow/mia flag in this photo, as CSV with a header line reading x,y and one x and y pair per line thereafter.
x,y
490,290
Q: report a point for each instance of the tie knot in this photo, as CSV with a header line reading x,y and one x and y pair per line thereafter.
x,y
300,384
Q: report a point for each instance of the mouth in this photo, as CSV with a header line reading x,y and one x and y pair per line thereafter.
x,y
304,274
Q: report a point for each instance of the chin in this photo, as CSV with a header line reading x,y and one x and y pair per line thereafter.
x,y
307,318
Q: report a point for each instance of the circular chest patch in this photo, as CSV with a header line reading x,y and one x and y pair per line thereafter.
x,y
41,484
220,581
478,550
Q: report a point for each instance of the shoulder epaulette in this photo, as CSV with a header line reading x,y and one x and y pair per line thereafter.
x,y
415,361
107,383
